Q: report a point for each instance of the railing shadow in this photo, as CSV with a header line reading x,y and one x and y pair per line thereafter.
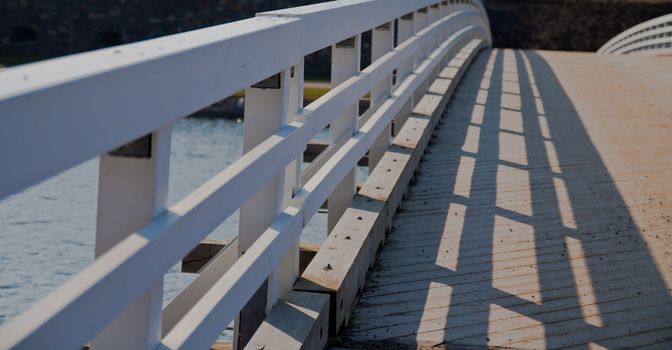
x,y
533,244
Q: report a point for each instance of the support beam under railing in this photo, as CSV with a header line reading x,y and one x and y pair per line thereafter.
x,y
133,189
145,245
405,31
266,111
421,22
345,63
382,41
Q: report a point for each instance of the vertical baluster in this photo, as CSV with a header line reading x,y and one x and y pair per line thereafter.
x,y
266,107
382,41
444,10
435,40
345,63
283,278
132,189
434,15
421,22
405,31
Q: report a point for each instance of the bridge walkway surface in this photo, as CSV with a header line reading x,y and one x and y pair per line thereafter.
x,y
541,216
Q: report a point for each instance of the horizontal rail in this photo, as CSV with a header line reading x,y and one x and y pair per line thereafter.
x,y
94,102
62,112
651,37
305,205
346,19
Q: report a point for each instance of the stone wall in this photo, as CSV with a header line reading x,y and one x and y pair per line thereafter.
x,y
51,28
575,25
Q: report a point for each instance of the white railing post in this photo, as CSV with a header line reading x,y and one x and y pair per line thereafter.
x,y
266,110
345,63
405,31
382,41
421,22
443,9
283,278
116,302
435,15
132,189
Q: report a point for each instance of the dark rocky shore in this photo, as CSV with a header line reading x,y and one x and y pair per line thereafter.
x,y
574,25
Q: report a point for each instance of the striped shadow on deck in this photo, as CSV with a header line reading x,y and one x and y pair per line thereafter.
x,y
517,235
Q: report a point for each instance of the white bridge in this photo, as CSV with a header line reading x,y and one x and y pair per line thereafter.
x,y
513,150
62,112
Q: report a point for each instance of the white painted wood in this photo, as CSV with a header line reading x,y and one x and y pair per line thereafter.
x,y
266,111
201,212
345,63
201,326
77,89
91,300
360,16
444,8
405,31
93,100
435,39
324,181
283,278
351,248
325,108
421,22
217,267
382,41
657,31
299,322
131,192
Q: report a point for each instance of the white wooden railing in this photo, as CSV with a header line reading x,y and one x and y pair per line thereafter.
x,y
59,113
652,37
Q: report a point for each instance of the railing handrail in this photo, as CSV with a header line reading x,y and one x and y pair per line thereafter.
x,y
81,93
105,124
629,40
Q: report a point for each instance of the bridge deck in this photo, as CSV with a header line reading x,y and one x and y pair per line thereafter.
x,y
542,215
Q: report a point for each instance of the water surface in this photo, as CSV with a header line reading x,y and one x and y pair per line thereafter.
x,y
47,231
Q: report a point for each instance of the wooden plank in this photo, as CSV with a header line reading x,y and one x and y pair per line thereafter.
x,y
199,257
221,346
624,263
515,272
340,266
315,148
344,255
523,320
420,305
298,321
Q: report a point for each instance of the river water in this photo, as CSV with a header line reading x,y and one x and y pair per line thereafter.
x,y
47,231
